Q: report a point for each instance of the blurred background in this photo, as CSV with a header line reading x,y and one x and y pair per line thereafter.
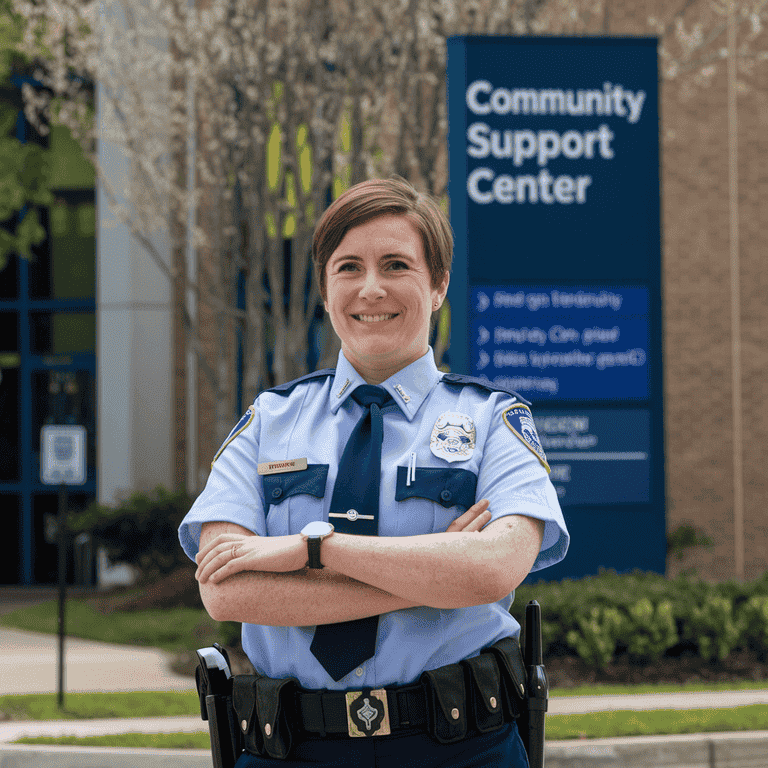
x,y
162,166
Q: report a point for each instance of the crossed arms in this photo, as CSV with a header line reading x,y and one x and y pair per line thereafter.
x,y
263,580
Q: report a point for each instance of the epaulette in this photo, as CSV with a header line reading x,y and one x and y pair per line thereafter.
x,y
460,380
288,387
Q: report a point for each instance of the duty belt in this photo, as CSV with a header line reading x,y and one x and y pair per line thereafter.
x,y
377,712
476,695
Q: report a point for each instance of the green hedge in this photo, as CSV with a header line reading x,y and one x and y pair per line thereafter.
x,y
645,616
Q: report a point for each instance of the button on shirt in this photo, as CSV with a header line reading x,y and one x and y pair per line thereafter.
x,y
313,419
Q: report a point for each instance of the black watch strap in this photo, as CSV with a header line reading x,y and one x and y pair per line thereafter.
x,y
313,550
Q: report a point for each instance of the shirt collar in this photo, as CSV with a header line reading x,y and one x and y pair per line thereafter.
x,y
409,387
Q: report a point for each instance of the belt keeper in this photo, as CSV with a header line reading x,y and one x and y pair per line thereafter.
x,y
400,702
310,710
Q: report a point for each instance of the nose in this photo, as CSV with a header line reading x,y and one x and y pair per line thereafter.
x,y
372,287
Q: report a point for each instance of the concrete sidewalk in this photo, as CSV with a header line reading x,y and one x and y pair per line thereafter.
x,y
29,664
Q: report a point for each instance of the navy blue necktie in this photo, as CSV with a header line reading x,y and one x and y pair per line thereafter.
x,y
355,509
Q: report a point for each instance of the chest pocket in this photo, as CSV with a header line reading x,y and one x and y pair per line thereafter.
x,y
444,486
281,487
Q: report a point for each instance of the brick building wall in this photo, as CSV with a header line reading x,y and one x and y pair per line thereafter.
x,y
697,315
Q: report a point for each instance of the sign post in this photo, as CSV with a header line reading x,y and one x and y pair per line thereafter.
x,y
62,463
556,285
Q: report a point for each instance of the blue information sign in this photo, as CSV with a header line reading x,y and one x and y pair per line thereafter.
x,y
597,456
561,342
556,286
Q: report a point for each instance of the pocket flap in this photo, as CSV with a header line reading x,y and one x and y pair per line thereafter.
x,y
447,703
311,481
443,485
510,660
273,700
244,704
484,673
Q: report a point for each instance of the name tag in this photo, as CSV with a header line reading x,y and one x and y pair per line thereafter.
x,y
276,467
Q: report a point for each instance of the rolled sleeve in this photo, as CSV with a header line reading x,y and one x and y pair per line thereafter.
x,y
233,492
515,482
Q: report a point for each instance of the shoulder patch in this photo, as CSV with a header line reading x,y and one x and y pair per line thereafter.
x,y
519,419
458,379
288,387
241,425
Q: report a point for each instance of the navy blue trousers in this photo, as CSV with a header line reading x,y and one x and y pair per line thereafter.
x,y
498,749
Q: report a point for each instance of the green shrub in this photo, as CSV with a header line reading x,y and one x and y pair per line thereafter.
x,y
754,623
712,627
647,616
597,635
653,630
140,531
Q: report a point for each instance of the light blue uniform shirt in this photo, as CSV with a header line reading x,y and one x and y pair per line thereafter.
x,y
313,419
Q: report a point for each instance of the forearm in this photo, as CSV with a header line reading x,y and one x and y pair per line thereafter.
x,y
441,570
296,599
455,569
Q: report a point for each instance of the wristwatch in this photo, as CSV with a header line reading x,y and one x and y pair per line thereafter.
x,y
314,533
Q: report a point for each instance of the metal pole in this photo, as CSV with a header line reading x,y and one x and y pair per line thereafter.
x,y
736,399
62,547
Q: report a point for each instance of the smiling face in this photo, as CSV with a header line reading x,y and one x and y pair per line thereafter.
x,y
380,298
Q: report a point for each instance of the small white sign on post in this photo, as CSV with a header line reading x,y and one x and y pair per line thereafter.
x,y
62,455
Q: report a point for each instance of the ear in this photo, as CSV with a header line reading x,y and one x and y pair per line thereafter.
x,y
442,289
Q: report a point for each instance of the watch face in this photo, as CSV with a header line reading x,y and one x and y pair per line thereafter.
x,y
317,528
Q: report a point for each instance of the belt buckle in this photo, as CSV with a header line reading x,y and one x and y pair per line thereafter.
x,y
367,713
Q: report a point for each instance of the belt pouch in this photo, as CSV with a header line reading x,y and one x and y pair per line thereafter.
x,y
513,678
244,704
446,703
276,706
483,682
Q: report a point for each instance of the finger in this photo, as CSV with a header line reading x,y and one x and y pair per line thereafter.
x,y
473,513
222,538
479,522
476,509
216,569
213,560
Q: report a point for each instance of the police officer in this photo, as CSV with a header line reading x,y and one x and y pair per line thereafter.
x,y
368,525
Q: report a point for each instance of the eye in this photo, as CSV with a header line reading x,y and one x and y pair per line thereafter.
x,y
346,266
397,265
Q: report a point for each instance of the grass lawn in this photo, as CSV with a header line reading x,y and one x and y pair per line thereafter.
x,y
603,725
169,629
87,706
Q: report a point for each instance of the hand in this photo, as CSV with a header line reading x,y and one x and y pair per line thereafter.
x,y
472,520
231,553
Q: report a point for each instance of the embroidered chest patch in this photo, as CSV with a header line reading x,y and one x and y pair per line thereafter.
x,y
453,437
519,419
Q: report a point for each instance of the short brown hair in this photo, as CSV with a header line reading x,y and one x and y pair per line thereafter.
x,y
384,197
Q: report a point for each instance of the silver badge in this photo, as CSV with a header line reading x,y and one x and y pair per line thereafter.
x,y
453,437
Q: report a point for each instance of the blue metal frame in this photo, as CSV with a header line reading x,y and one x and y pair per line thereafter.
x,y
24,306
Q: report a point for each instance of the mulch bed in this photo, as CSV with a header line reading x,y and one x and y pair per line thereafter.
x,y
570,671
